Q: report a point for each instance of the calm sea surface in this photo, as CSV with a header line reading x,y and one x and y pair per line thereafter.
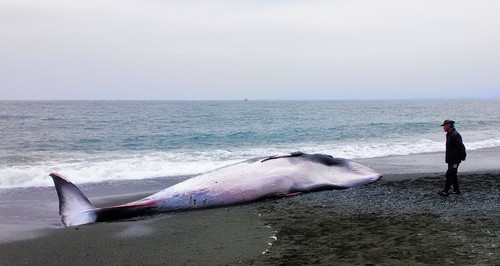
x,y
93,141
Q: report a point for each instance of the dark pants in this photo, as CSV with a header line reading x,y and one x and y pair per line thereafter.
x,y
451,177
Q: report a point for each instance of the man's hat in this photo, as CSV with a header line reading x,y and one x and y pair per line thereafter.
x,y
449,122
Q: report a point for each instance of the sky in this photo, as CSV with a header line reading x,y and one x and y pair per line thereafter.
x,y
261,49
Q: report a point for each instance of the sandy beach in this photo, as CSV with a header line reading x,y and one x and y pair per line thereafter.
x,y
386,223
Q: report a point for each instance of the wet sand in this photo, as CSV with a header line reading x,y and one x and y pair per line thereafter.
x,y
386,223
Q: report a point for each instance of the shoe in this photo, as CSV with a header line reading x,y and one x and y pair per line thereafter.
x,y
443,193
457,192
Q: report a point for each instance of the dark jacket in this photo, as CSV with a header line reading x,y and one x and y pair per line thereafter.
x,y
455,149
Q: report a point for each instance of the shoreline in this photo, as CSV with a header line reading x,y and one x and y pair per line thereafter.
x,y
478,161
388,222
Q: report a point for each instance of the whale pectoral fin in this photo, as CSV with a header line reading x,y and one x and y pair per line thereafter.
x,y
312,187
74,207
293,194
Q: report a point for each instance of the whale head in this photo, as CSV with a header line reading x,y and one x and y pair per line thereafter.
x,y
339,172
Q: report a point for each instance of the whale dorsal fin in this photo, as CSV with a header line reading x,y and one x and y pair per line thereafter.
x,y
293,154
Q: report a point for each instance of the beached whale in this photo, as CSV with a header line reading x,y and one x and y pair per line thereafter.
x,y
246,181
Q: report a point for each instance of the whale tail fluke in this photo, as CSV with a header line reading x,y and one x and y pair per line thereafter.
x,y
74,207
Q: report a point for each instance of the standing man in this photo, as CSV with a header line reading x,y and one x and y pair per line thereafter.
x,y
455,153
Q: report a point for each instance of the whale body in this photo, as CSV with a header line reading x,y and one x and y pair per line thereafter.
x,y
246,181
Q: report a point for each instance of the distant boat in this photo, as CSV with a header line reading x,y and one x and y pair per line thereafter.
x,y
245,100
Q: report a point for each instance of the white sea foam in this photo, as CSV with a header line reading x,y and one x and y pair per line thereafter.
x,y
97,167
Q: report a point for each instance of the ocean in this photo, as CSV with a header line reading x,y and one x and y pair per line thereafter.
x,y
106,141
